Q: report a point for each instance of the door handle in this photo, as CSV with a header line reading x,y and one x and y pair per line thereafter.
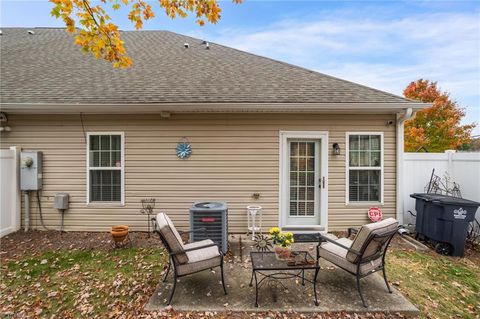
x,y
322,183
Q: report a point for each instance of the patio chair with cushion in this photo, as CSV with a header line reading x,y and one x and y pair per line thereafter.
x,y
186,259
365,254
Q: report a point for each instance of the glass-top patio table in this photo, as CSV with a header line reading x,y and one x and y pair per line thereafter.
x,y
266,266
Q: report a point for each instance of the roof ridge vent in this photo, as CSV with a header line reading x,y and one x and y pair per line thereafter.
x,y
31,32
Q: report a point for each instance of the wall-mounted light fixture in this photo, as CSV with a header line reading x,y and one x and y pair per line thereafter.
x,y
336,149
4,123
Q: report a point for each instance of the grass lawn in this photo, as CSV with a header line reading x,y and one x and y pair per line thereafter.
x,y
440,286
81,283
93,282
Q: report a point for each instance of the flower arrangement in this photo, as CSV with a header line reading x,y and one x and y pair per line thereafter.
x,y
282,242
279,238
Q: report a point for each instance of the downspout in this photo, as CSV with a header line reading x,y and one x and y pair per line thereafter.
x,y
401,118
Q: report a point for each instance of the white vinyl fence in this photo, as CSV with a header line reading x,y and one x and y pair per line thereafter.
x,y
9,193
462,168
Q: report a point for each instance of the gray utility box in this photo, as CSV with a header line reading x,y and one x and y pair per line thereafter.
x,y
209,220
31,172
61,201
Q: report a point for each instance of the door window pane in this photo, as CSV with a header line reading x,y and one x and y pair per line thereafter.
x,y
302,149
294,164
311,193
310,149
302,178
311,164
302,163
293,149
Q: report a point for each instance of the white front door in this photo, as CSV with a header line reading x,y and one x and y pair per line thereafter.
x,y
303,181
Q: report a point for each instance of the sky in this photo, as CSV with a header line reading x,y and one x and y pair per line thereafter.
x,y
382,44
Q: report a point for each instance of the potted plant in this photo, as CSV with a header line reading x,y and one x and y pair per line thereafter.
x,y
282,242
119,233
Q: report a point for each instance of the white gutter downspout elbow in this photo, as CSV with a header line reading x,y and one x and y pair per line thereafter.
x,y
401,118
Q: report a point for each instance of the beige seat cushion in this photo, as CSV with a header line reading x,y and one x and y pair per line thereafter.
x,y
200,259
172,237
338,256
200,243
202,254
364,232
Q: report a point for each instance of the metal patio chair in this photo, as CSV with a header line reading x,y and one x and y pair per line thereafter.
x,y
186,259
364,255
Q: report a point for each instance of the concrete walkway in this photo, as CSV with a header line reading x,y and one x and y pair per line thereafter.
x,y
336,292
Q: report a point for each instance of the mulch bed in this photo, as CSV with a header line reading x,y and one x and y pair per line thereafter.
x,y
34,242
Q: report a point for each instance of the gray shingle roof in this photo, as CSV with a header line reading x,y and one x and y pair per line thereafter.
x,y
48,67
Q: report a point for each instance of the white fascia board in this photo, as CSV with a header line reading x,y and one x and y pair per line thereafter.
x,y
375,108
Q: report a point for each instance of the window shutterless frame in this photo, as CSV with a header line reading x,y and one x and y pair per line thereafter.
x,y
347,169
121,169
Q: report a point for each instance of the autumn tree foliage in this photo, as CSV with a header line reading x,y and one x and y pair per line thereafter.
x,y
96,33
437,128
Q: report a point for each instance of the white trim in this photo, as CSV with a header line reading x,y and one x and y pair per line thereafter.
x,y
68,108
399,174
347,169
283,185
18,195
122,168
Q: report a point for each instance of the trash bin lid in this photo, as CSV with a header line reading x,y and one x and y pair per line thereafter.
x,y
444,199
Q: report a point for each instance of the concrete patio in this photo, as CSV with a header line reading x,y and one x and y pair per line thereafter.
x,y
335,288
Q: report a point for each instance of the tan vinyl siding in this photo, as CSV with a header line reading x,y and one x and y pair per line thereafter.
x,y
234,156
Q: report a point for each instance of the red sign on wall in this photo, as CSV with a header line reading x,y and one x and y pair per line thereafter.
x,y
375,214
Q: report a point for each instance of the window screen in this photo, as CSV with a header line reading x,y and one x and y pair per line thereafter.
x,y
105,167
364,167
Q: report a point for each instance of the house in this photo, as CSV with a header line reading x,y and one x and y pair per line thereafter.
x,y
316,152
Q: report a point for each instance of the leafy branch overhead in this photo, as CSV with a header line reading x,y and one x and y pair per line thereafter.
x,y
96,33
439,127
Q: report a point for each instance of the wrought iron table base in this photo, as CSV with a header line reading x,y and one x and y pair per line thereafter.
x,y
278,276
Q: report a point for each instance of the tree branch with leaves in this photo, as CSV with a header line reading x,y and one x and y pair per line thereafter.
x,y
439,127
96,33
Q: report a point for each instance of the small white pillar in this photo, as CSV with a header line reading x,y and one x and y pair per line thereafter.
x,y
254,220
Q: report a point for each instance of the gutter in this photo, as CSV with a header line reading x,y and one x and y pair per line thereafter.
x,y
401,118
155,108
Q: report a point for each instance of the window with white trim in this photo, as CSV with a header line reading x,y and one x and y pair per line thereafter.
x,y
365,167
105,167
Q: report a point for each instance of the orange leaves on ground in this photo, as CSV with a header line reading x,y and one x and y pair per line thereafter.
x,y
437,128
97,34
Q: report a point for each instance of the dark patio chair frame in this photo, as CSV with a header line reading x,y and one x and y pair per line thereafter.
x,y
381,252
173,262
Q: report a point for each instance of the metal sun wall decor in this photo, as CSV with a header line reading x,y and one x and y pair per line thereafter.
x,y
184,149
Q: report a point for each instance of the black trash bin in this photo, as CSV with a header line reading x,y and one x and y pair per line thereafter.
x,y
444,221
